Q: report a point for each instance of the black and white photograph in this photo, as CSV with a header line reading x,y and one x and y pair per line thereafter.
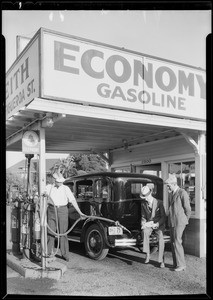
x,y
105,149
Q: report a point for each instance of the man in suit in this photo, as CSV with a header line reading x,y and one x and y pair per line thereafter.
x,y
153,217
178,217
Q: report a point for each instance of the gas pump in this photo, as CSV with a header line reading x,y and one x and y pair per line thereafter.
x,y
15,225
25,222
36,238
26,217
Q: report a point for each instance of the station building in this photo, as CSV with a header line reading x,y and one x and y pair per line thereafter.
x,y
141,113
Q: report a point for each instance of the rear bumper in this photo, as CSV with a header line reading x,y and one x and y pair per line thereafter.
x,y
125,242
135,242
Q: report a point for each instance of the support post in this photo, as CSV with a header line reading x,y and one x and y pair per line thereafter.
x,y
165,174
132,168
43,204
200,188
29,188
200,191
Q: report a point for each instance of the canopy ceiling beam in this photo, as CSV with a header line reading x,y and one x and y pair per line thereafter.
x,y
113,114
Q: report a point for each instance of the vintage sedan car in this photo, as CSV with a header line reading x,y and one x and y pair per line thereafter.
x,y
112,203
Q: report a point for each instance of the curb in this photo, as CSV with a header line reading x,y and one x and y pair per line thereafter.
x,y
28,269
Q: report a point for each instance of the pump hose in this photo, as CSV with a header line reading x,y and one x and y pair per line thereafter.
x,y
79,219
76,222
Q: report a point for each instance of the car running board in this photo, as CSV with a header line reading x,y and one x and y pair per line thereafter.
x,y
74,239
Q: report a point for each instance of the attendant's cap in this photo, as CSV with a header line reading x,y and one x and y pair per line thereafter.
x,y
58,177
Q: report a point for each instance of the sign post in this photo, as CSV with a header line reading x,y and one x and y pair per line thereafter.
x,y
30,146
32,143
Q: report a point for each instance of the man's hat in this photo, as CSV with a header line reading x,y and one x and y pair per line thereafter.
x,y
145,191
172,179
58,177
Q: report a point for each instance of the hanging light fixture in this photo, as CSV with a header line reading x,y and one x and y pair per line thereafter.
x,y
49,122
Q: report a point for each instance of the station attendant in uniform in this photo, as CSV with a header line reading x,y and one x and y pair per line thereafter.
x,y
59,195
178,216
153,217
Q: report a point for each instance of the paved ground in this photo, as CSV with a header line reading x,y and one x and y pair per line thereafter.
x,y
121,273
12,274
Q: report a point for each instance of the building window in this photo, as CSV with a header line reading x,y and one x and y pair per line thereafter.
x,y
123,170
152,169
185,172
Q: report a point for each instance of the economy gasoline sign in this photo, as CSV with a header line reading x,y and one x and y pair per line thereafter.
x,y
85,72
22,80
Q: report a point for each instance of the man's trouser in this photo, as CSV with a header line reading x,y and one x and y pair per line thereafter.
x,y
146,247
62,214
176,234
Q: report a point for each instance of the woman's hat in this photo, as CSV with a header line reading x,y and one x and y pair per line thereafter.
x,y
145,191
58,177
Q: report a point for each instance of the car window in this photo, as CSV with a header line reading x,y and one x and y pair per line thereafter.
x,y
101,189
84,189
132,189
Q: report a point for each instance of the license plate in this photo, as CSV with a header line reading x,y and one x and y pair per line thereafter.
x,y
113,230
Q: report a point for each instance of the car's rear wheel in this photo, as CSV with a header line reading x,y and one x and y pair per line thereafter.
x,y
94,243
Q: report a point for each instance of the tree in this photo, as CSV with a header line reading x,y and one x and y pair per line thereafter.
x,y
79,164
13,180
90,163
66,166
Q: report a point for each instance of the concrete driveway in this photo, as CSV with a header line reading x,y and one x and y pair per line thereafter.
x,y
121,273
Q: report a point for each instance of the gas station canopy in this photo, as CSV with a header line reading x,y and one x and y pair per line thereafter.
x,y
94,98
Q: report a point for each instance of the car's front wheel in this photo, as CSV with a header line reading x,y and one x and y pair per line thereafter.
x,y
94,243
